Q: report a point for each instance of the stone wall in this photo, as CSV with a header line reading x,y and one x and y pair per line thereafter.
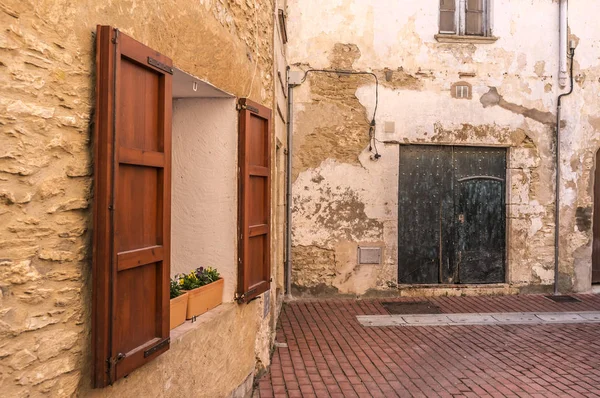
x,y
46,107
343,198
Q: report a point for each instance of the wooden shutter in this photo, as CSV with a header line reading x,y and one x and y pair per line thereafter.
x,y
132,207
254,271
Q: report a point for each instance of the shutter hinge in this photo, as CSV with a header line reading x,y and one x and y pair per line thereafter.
x,y
252,109
239,298
115,39
157,347
115,360
159,65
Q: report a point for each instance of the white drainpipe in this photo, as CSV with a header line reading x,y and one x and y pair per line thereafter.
x,y
563,74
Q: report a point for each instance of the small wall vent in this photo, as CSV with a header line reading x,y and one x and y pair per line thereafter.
x,y
369,255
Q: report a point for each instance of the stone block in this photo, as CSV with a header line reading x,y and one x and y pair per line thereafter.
x,y
22,359
17,273
40,321
56,255
53,343
48,371
523,158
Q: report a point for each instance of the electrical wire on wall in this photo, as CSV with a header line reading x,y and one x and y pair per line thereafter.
x,y
372,139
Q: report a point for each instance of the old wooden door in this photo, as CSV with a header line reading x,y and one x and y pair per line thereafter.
x,y
451,215
596,243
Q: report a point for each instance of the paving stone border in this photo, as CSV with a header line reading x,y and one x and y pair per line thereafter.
x,y
493,318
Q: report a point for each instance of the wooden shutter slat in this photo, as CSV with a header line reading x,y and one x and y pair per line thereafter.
x,y
132,206
139,257
140,157
254,272
259,230
258,171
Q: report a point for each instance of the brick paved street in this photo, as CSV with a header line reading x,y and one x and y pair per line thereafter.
x,y
329,354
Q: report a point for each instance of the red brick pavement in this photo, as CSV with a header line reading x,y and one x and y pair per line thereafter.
x,y
330,354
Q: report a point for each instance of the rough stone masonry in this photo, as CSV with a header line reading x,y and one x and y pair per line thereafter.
x,y
46,109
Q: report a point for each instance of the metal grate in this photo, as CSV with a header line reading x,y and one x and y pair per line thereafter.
x,y
563,299
414,307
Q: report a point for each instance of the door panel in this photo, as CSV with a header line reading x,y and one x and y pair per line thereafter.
x,y
424,200
479,175
451,217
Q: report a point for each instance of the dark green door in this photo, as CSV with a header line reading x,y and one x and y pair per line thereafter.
x,y
451,215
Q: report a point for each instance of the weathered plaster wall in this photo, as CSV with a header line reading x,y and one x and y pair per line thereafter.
x,y
204,188
343,199
46,104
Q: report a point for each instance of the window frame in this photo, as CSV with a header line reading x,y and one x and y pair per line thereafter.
x,y
460,20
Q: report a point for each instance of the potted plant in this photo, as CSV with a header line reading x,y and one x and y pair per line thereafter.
x,y
179,302
205,290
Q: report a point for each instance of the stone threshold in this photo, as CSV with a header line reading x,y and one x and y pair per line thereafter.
x,y
483,319
454,290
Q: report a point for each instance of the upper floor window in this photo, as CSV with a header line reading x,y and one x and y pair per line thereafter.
x,y
464,17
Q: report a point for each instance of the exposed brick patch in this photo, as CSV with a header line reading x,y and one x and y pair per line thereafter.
x,y
330,354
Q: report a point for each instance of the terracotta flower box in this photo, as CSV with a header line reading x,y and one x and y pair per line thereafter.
x,y
179,306
204,298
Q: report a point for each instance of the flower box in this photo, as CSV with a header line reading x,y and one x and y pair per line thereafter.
x,y
204,298
179,306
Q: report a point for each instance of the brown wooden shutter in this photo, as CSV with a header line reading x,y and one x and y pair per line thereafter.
x,y
254,271
132,207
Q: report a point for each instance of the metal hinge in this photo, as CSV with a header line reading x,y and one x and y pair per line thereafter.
x,y
159,65
112,362
116,37
252,109
157,347
239,298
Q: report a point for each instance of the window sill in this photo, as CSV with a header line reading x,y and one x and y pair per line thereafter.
x,y
208,317
465,39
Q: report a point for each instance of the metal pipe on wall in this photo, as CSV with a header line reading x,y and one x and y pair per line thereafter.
x,y
288,202
563,31
557,193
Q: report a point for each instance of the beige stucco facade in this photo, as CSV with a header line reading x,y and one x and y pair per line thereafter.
x,y
342,198
47,60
